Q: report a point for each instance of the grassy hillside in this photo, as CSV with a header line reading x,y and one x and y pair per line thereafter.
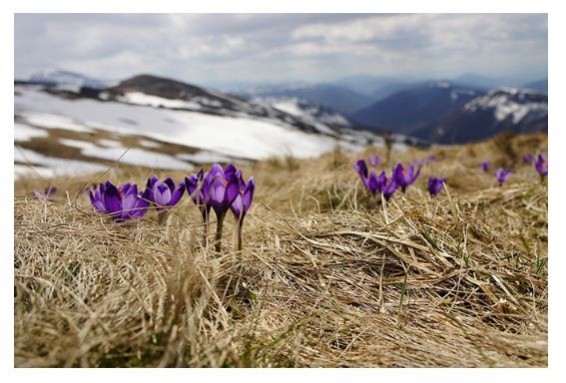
x,y
327,277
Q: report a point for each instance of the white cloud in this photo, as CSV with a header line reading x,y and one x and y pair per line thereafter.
x,y
273,47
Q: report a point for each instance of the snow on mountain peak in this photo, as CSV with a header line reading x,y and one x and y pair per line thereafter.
x,y
513,103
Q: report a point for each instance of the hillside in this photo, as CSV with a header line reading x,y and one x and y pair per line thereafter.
x,y
339,98
499,110
410,110
327,277
166,124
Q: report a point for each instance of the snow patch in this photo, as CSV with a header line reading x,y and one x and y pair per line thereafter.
x,y
140,98
508,103
109,143
52,121
25,132
139,157
79,144
149,144
50,166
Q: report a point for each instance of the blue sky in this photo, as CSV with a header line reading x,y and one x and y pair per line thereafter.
x,y
257,48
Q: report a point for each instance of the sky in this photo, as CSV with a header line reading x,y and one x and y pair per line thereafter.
x,y
215,49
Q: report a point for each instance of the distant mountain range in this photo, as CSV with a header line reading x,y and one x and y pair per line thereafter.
x,y
502,109
341,99
410,110
467,108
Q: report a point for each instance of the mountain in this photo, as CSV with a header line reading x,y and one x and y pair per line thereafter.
x,y
337,98
501,109
388,89
313,113
410,110
539,85
66,79
161,123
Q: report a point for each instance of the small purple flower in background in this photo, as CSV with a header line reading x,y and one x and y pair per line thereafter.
x,y
374,161
375,183
404,180
528,158
164,194
502,175
121,203
435,185
46,194
485,166
542,166
241,205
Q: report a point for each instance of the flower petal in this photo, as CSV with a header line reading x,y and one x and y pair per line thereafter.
x,y
162,194
152,181
248,194
112,201
177,194
170,183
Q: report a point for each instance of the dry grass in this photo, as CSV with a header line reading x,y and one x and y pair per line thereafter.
x,y
327,277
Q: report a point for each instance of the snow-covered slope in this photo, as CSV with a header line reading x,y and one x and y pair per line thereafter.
x,y
511,103
151,130
314,114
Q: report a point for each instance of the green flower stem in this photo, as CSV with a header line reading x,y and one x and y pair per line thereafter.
x,y
218,237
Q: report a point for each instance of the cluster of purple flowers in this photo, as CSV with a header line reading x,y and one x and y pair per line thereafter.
x,y
219,189
502,174
400,178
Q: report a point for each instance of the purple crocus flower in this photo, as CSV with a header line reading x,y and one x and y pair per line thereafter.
x,y
164,194
244,199
435,185
542,166
371,180
389,189
195,188
403,179
502,175
121,203
385,186
485,166
46,194
241,205
528,158
221,187
374,161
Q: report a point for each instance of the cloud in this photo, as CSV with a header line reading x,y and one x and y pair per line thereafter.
x,y
280,47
